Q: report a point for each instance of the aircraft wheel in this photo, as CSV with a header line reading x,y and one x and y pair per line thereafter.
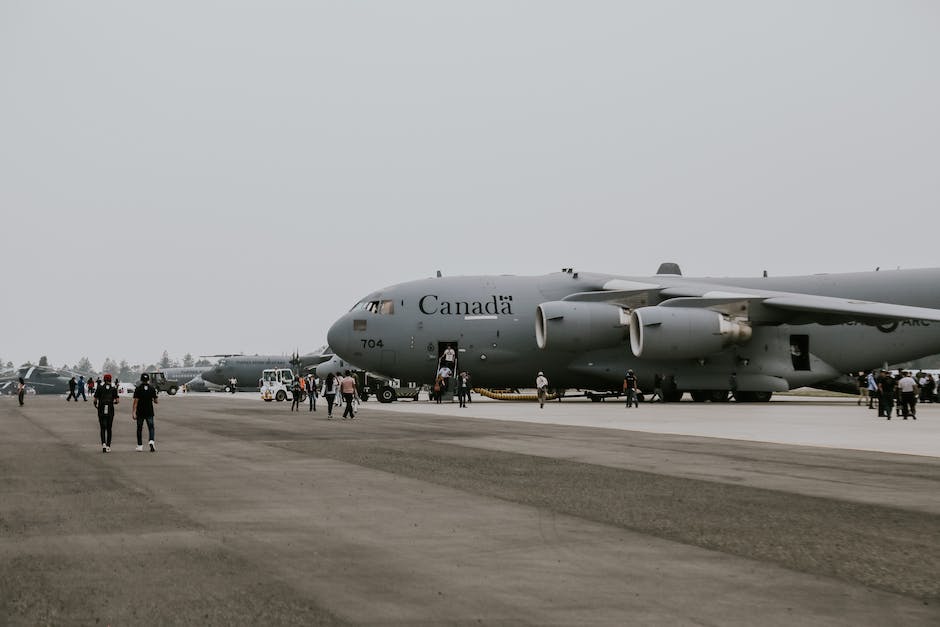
x,y
172,391
363,396
699,396
281,396
386,394
718,396
227,389
594,397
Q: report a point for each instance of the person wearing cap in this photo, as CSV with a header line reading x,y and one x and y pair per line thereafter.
x,y
106,397
629,388
145,397
541,384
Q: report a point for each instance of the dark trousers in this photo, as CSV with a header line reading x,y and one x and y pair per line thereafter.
x,y
313,401
348,412
907,404
72,395
885,405
140,428
295,402
106,422
631,397
20,396
81,390
330,399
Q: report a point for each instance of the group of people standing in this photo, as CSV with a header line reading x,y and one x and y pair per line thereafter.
x,y
900,390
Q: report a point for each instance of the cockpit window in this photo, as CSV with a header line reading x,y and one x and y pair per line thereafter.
x,y
378,307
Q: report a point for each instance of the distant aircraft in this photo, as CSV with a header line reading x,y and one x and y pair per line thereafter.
x,y
198,384
247,369
746,337
42,379
184,373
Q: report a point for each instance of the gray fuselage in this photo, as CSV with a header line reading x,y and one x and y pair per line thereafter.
x,y
399,332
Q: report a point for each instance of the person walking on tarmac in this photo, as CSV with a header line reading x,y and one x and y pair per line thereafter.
x,y
106,397
297,391
629,388
145,397
71,391
21,390
541,385
329,393
463,388
349,390
312,384
80,387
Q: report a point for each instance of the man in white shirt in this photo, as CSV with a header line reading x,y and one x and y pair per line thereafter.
x,y
908,387
541,384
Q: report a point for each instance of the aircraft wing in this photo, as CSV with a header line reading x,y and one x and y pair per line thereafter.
x,y
760,307
849,309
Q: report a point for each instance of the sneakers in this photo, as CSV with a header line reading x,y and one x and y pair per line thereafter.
x,y
153,449
107,449
104,448
140,447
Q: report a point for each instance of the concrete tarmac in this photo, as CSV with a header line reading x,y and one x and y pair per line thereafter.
x,y
501,513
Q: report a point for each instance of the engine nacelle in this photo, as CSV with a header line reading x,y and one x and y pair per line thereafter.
x,y
683,332
579,326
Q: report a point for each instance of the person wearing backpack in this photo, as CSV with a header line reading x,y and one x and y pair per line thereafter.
x,y
106,397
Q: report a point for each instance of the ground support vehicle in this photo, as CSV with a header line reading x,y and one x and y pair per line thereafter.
x,y
276,384
162,384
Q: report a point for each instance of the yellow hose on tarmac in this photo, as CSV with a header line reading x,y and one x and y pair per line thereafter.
x,y
508,396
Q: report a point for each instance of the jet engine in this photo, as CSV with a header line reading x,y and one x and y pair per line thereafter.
x,y
683,332
579,326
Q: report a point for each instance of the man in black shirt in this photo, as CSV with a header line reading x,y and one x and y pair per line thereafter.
x,y
630,388
145,397
106,395
886,388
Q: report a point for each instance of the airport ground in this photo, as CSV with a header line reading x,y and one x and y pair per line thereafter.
x,y
798,511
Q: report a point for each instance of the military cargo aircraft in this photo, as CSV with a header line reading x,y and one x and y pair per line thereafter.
x,y
184,373
247,370
711,337
42,379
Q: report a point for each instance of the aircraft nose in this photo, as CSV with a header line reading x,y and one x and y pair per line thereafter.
x,y
338,337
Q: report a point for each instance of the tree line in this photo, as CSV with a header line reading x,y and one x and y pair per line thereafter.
x,y
122,369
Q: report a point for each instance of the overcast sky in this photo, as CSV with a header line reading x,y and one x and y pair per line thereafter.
x,y
211,177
